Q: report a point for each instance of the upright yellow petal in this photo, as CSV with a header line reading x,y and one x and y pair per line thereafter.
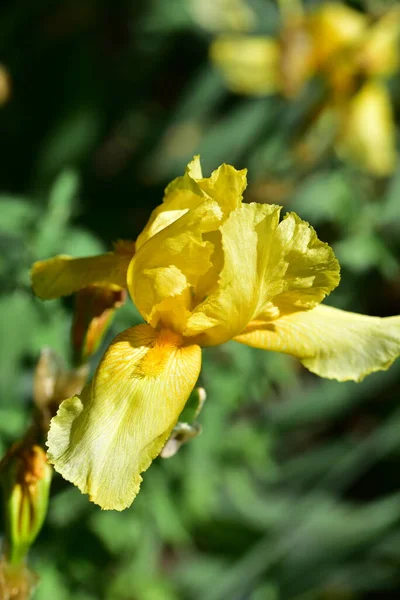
x,y
330,342
249,65
169,265
103,439
225,186
180,195
64,275
179,253
368,132
269,268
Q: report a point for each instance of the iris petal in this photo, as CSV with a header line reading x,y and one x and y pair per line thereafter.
x,y
225,186
171,263
269,268
103,439
64,275
330,342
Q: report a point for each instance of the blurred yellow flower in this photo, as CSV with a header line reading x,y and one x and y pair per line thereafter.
x,y
367,133
351,55
207,268
249,64
217,15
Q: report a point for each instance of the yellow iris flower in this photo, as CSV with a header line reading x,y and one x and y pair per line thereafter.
x,y
207,268
351,55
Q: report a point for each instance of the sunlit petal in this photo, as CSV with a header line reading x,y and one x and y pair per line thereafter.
x,y
330,342
171,263
64,275
103,439
225,186
180,195
269,268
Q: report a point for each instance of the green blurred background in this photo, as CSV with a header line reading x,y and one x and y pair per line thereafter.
x,y
293,489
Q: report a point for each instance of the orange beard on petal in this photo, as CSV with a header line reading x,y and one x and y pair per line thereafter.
x,y
154,361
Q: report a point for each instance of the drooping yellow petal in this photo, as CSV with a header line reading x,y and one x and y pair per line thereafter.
x,y
103,439
330,342
64,275
269,268
368,133
249,65
225,186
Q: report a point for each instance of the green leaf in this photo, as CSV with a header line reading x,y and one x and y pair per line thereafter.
x,y
16,214
53,225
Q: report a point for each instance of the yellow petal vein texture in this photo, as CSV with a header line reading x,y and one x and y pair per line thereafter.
x,y
103,439
330,342
269,268
250,65
64,275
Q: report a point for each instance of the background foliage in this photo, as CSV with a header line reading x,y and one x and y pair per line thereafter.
x,y
293,489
